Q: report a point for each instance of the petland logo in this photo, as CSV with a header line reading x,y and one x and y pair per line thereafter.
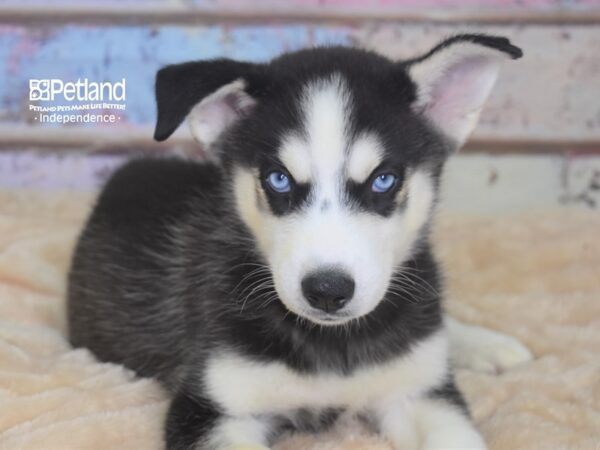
x,y
80,96
81,90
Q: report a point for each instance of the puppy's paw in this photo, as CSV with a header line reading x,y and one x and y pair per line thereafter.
x,y
485,350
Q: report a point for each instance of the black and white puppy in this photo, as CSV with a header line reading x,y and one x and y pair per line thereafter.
x,y
290,280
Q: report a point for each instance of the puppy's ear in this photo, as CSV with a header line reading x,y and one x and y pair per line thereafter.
x,y
455,78
211,94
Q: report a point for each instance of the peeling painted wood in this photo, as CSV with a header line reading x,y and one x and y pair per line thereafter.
x,y
549,99
127,139
211,11
494,184
134,53
581,181
552,93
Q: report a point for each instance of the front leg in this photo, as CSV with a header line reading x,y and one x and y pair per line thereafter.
x,y
195,423
445,427
477,348
428,424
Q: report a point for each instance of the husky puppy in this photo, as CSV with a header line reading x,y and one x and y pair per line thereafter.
x,y
289,280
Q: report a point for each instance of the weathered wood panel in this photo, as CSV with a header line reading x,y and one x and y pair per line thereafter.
x,y
550,98
134,53
551,94
472,183
488,11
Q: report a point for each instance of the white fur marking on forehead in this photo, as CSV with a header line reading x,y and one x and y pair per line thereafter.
x,y
295,157
366,154
326,106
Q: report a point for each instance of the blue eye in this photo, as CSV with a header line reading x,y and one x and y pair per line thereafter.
x,y
279,182
383,183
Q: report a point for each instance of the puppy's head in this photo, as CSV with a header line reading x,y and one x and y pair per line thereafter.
x,y
334,156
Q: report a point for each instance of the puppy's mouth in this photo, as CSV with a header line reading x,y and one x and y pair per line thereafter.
x,y
323,318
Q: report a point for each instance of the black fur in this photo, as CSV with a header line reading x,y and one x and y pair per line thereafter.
x,y
189,419
287,202
154,212
179,88
496,42
449,392
162,275
383,203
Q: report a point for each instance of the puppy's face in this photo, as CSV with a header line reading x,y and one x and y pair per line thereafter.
x,y
334,157
336,204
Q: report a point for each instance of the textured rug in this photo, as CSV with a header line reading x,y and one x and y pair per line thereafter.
x,y
533,276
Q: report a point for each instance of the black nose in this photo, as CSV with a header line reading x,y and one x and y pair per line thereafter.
x,y
328,290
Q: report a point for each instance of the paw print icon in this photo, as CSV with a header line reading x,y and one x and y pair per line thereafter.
x,y
39,89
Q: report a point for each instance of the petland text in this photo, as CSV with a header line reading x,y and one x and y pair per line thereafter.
x,y
80,90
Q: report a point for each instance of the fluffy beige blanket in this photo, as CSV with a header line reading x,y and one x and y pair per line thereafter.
x,y
534,276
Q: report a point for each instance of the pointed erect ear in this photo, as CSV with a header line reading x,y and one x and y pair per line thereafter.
x,y
211,94
455,78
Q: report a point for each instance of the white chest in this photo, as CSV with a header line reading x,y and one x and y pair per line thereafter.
x,y
242,386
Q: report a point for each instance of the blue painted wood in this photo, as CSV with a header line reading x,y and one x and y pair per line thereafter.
x,y
111,53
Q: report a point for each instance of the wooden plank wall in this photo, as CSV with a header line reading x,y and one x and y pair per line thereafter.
x,y
548,100
546,103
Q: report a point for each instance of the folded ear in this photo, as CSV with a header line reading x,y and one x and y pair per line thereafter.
x,y
455,78
211,94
